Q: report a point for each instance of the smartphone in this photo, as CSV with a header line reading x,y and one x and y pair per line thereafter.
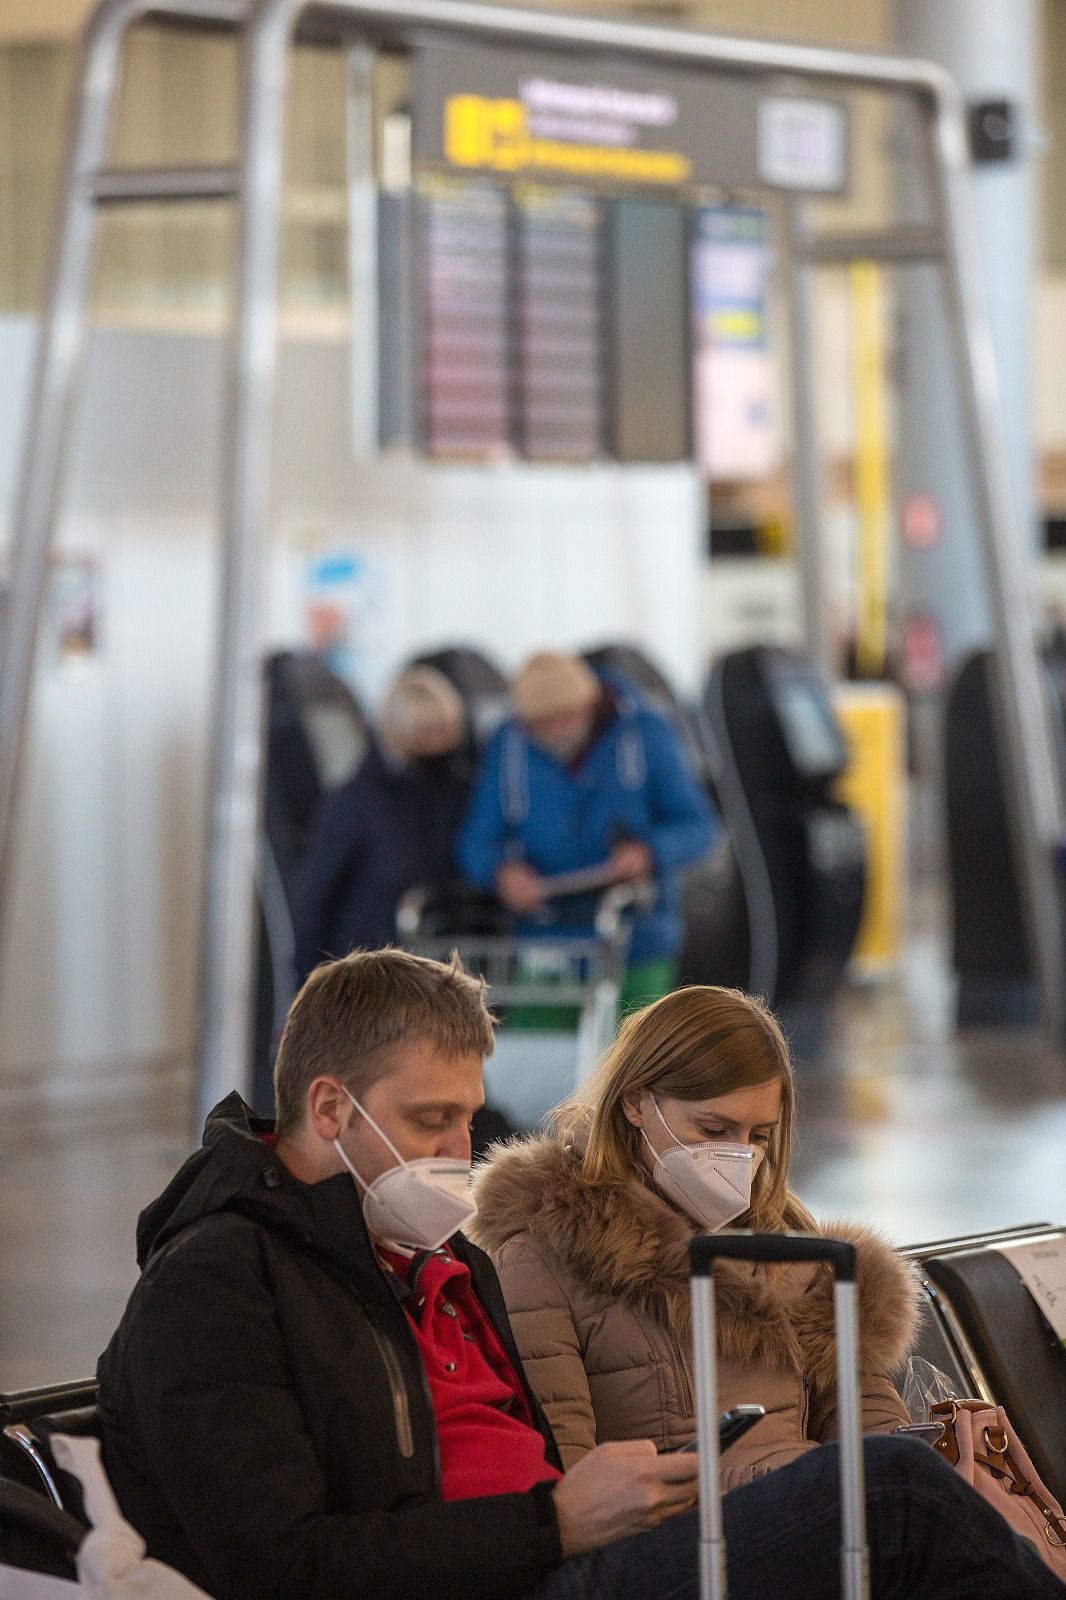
x,y
732,1425
928,1432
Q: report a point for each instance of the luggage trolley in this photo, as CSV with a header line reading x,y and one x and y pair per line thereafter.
x,y
550,970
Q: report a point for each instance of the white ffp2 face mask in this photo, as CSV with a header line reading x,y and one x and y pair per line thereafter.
x,y
417,1203
710,1180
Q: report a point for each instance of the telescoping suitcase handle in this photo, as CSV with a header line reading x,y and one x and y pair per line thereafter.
x,y
704,1251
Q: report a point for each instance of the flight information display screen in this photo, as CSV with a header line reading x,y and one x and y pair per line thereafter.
x,y
650,347
551,324
560,369
464,269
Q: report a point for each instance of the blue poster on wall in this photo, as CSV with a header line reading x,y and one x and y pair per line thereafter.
x,y
338,606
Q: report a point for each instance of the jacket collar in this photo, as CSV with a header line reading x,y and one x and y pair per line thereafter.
x,y
628,1244
235,1170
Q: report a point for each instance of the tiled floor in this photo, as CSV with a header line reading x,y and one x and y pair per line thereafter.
x,y
902,1124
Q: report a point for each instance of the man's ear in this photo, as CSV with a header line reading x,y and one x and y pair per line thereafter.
x,y
631,1105
329,1111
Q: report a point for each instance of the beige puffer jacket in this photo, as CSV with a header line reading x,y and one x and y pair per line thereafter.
x,y
596,1284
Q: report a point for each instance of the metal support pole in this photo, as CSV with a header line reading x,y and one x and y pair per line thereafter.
x,y
854,1553
1031,780
363,251
907,244
806,447
46,442
124,185
229,922
713,1575
58,368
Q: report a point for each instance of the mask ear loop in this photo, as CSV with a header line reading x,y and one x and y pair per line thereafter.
x,y
340,1151
382,1135
644,1132
680,1143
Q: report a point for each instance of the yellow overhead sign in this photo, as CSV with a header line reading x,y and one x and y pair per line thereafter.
x,y
495,135
543,116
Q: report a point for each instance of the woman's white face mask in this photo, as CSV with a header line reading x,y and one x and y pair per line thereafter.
x,y
417,1204
711,1180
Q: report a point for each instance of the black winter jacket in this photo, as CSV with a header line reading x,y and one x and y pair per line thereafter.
x,y
387,830
267,1421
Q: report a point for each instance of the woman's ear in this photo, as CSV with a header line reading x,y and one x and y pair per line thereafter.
x,y
631,1105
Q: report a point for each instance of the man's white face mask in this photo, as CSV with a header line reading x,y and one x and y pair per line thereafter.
x,y
710,1180
417,1203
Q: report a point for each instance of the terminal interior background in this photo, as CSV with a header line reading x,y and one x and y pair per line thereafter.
x,y
905,1120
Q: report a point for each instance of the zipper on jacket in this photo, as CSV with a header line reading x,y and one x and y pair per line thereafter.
x,y
681,1378
427,1396
400,1405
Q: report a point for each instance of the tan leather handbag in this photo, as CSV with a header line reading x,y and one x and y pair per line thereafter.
x,y
981,1445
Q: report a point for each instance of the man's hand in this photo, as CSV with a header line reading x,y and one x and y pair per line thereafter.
x,y
620,1489
519,887
630,860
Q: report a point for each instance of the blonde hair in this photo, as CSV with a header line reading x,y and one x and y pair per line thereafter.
x,y
697,1043
421,710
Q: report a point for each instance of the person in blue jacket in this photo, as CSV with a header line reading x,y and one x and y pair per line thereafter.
x,y
586,775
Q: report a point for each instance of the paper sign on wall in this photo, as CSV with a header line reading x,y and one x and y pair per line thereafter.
x,y
1041,1265
803,144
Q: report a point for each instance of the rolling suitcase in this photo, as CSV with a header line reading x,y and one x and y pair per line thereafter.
x,y
778,1247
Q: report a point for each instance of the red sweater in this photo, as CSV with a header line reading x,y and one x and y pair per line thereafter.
x,y
488,1443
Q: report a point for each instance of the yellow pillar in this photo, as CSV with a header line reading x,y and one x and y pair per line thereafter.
x,y
871,466
873,716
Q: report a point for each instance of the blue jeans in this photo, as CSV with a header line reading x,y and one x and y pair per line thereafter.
x,y
930,1535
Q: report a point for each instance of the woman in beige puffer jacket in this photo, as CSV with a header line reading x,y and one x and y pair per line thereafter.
x,y
593,1261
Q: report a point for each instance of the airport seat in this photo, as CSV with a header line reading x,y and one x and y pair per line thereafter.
x,y
35,1535
22,1405
799,855
629,662
28,1419
983,1323
936,1346
1014,1346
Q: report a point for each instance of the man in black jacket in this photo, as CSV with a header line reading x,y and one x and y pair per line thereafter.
x,y
314,1393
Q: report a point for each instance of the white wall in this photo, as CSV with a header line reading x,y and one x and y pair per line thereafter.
x,y
97,989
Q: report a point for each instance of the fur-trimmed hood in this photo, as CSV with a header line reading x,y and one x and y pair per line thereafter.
x,y
629,1244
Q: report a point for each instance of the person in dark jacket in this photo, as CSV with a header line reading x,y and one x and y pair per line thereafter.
x,y
586,775
314,1393
392,827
